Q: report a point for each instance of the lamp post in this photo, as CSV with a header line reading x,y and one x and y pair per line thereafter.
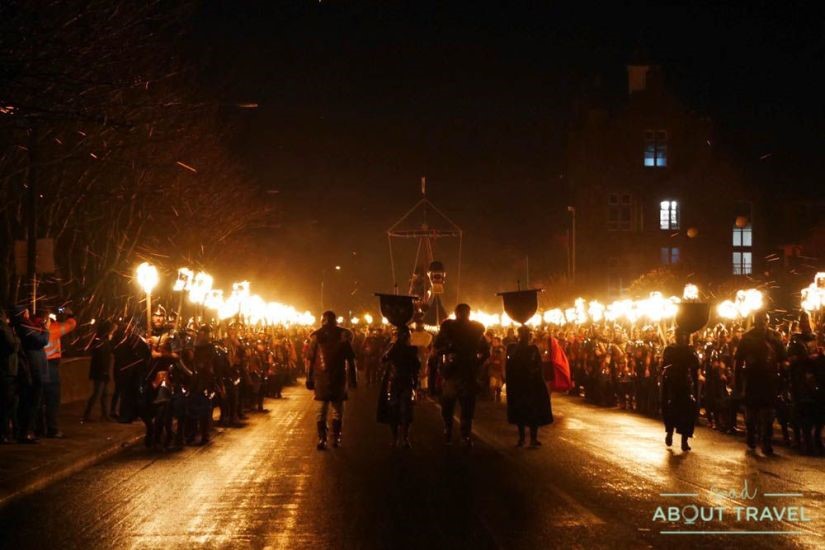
x,y
572,245
147,278
323,285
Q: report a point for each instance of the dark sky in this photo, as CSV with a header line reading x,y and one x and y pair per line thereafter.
x,y
359,100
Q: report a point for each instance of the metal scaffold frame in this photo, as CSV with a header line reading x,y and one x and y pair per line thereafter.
x,y
425,235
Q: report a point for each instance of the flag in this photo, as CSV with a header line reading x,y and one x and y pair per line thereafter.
x,y
561,381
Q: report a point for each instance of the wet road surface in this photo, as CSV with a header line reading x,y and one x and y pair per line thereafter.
x,y
597,482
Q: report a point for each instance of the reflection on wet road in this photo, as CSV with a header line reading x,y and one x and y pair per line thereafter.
x,y
597,482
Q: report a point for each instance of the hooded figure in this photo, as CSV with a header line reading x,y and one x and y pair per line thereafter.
x,y
528,402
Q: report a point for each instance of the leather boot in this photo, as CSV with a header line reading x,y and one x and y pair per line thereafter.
x,y
336,433
322,436
448,432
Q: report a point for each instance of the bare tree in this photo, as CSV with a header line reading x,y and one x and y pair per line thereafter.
x,y
130,159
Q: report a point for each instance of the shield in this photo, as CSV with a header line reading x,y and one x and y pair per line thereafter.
x,y
521,305
397,308
692,316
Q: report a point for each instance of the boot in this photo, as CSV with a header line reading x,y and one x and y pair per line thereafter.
x,y
534,437
685,446
466,436
448,434
322,436
669,439
405,436
336,433
520,442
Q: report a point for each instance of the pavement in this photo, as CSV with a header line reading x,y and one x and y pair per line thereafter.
x,y
25,469
599,481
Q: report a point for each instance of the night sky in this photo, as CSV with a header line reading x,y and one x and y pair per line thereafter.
x,y
359,100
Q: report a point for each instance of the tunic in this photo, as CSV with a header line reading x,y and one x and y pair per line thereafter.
x,y
528,402
396,398
678,391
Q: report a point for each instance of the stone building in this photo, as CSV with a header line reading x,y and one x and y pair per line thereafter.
x,y
648,190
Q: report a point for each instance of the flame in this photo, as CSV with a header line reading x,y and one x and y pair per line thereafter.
x,y
691,292
147,277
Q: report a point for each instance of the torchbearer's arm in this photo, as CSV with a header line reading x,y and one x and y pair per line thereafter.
x,y
352,374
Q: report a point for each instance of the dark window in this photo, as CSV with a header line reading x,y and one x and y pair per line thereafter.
x,y
619,212
669,255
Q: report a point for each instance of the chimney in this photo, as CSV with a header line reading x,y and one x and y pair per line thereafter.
x,y
637,78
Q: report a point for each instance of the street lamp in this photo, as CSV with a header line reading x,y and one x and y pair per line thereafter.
x,y
571,254
147,278
323,284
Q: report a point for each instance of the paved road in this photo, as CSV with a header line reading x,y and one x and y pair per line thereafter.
x,y
597,482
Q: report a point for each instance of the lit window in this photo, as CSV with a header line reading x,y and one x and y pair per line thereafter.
x,y
742,236
655,148
669,255
742,255
668,215
742,263
619,208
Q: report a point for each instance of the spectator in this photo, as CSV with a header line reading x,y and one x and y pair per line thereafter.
x,y
59,327
99,368
9,350
34,337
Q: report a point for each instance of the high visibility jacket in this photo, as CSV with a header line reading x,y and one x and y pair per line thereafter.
x,y
56,331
